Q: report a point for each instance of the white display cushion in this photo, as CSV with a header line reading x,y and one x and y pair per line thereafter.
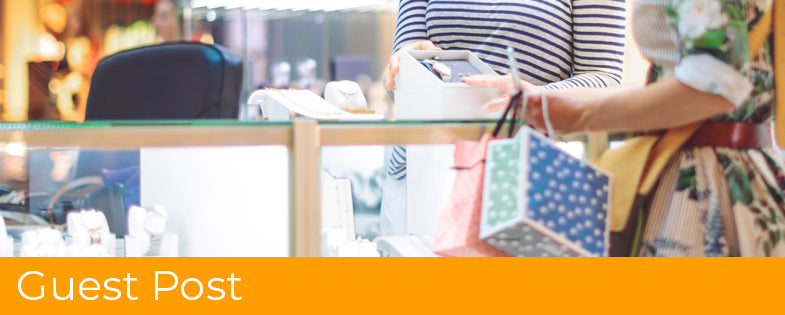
x,y
137,242
540,201
6,242
80,243
137,246
42,243
7,246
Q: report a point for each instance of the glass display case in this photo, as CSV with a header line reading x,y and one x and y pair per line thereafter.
x,y
223,184
230,188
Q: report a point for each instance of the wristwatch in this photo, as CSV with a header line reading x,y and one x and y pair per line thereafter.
x,y
93,222
349,92
155,226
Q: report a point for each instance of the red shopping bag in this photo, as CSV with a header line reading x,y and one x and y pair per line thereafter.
x,y
458,232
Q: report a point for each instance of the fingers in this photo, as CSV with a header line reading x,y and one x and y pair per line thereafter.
x,y
393,65
486,80
426,45
389,79
496,104
391,70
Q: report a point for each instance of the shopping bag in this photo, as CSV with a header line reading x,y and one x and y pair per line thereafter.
x,y
458,230
538,200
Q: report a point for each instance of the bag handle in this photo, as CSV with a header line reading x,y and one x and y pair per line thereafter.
x,y
514,100
546,117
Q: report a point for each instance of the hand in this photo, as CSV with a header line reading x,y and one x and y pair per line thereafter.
x,y
503,83
566,113
393,66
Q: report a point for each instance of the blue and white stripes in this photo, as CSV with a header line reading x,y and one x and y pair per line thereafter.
x,y
559,44
397,165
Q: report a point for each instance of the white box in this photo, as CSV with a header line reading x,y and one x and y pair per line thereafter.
x,y
421,95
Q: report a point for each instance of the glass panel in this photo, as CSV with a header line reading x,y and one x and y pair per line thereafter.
x,y
352,181
408,190
219,201
231,201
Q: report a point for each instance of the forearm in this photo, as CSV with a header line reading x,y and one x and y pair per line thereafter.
x,y
588,81
665,104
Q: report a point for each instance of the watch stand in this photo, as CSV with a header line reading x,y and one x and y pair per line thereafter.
x,y
89,235
148,235
6,242
346,95
42,243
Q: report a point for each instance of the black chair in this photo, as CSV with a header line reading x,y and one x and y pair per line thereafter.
x,y
181,80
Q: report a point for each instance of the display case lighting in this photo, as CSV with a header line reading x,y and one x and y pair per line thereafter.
x,y
16,148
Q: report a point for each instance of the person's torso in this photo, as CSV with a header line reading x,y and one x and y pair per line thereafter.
x,y
655,28
540,31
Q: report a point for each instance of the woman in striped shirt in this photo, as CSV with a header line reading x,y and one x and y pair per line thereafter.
x,y
558,43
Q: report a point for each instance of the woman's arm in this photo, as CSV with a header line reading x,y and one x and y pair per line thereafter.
x,y
665,104
711,77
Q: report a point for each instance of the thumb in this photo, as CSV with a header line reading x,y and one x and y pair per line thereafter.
x,y
427,45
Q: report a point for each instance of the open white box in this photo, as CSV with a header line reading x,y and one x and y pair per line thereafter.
x,y
420,95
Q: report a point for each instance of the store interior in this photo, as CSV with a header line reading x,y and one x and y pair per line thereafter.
x,y
49,53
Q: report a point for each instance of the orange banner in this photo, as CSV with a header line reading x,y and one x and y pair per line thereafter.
x,y
389,285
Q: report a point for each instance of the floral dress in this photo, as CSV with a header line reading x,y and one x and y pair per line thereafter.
x,y
712,201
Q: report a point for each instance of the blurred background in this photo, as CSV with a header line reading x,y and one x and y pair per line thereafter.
x,y
50,47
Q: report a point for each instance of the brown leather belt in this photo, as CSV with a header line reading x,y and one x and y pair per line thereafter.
x,y
729,134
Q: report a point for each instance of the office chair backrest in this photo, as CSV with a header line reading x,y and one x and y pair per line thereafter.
x,y
180,80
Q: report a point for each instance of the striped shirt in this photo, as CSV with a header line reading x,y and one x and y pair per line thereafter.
x,y
561,43
558,43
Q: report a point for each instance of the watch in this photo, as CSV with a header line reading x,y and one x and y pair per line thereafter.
x,y
155,226
92,220
349,91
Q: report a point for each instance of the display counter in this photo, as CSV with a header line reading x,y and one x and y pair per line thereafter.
x,y
220,181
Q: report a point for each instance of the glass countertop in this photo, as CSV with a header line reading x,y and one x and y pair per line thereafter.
x,y
54,125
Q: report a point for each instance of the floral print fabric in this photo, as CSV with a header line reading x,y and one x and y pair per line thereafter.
x,y
713,201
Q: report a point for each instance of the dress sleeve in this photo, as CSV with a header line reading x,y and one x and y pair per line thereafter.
x,y
714,46
598,44
411,22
